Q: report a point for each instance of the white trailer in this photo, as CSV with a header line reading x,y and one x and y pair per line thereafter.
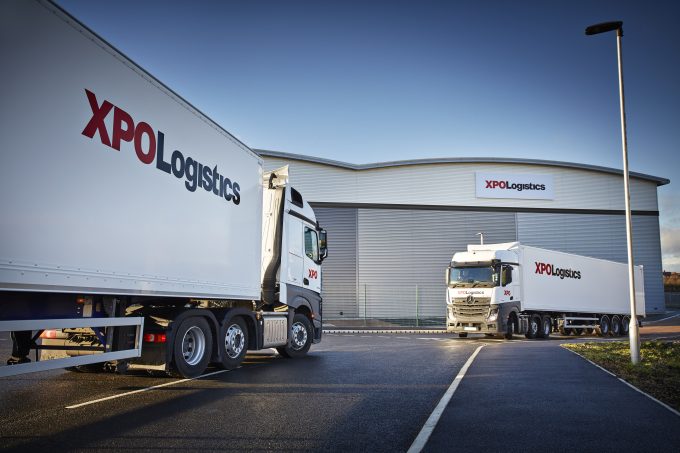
x,y
123,205
512,288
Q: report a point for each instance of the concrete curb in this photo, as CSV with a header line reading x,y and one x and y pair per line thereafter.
x,y
392,331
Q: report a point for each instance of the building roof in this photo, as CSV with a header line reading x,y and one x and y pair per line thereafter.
x,y
457,160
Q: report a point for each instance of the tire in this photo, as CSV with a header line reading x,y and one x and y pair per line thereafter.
x,y
462,335
233,343
546,326
301,338
616,326
510,328
534,329
192,347
625,325
604,327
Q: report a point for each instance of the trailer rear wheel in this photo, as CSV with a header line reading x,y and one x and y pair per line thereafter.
x,y
301,338
534,329
546,326
192,347
625,325
615,328
233,343
603,329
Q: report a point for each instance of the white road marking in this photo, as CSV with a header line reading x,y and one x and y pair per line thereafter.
x,y
628,384
431,423
167,384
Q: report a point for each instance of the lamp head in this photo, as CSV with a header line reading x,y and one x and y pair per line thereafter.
x,y
605,27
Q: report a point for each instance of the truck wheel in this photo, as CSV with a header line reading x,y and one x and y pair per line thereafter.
x,y
534,327
510,328
192,347
625,325
233,343
301,338
603,329
546,326
616,326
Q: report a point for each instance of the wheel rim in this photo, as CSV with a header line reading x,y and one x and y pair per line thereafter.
x,y
546,328
534,327
234,341
299,336
625,325
193,345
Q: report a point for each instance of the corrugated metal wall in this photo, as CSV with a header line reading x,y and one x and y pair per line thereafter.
x,y
389,263
600,236
339,288
454,185
403,255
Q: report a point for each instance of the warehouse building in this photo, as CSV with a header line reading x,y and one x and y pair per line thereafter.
x,y
394,226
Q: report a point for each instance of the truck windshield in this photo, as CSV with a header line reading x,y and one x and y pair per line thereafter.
x,y
485,276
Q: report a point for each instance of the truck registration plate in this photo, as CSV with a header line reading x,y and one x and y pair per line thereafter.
x,y
474,329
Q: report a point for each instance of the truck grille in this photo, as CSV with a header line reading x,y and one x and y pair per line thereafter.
x,y
470,307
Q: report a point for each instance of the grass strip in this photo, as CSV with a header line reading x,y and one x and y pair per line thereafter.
x,y
657,374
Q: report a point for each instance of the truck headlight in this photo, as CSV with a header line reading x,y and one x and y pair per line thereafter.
x,y
493,315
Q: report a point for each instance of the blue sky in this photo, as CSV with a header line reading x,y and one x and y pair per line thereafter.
x,y
370,81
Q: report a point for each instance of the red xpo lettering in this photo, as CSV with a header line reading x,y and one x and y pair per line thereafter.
x,y
313,274
123,129
97,121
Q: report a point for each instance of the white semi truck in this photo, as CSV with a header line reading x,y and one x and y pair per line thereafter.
x,y
510,288
131,224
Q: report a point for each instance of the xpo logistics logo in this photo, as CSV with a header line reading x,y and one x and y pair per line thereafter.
x,y
493,184
150,146
523,186
551,270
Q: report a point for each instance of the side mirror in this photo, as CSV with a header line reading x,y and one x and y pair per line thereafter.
x,y
448,275
323,244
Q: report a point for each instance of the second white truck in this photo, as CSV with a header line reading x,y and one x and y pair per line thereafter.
x,y
510,288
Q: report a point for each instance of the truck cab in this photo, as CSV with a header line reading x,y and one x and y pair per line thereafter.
x,y
482,290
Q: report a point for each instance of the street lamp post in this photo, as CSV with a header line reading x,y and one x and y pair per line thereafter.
x,y
633,329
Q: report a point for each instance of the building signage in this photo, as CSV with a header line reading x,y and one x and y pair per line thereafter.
x,y
505,185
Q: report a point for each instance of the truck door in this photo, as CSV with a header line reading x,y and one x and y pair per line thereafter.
x,y
296,261
311,278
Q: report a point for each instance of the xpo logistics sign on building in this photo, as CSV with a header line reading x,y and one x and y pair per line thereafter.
x,y
524,186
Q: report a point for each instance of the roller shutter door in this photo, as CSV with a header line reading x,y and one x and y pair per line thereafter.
x,y
403,255
339,290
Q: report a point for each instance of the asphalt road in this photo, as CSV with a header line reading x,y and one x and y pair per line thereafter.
x,y
354,392
351,393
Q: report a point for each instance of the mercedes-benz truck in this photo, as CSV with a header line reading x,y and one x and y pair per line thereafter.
x,y
510,288
135,231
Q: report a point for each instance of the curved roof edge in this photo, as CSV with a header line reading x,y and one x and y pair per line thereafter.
x,y
458,160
